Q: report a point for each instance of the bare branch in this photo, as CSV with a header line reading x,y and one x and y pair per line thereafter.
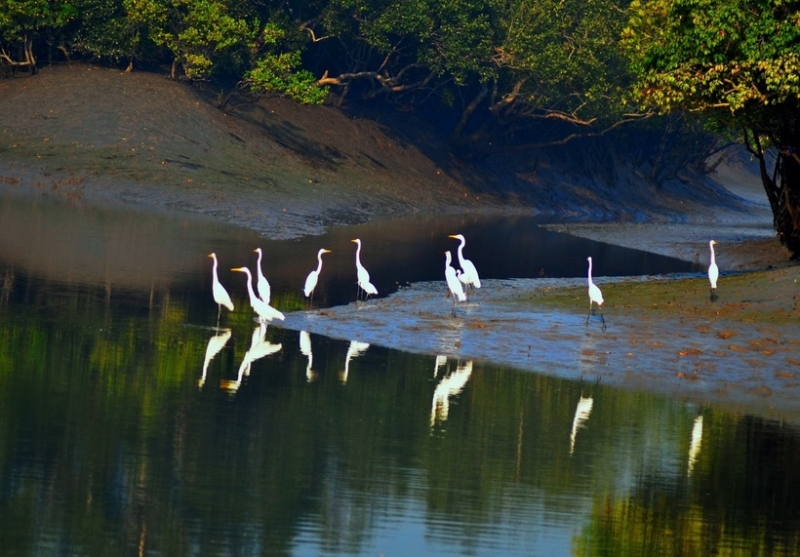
x,y
391,84
470,109
314,38
509,98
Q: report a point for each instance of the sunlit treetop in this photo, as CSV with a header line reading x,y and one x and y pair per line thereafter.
x,y
733,59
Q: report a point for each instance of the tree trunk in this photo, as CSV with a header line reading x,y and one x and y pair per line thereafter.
x,y
783,186
787,216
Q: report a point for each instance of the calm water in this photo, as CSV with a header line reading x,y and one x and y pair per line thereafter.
x,y
128,425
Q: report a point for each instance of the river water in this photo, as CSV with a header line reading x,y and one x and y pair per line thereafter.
x,y
131,424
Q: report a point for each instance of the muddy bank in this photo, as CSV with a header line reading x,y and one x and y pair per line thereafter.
x,y
663,335
96,135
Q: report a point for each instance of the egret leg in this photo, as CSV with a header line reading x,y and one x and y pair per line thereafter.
x,y
713,296
219,312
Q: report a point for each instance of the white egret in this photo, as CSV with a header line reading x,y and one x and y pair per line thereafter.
x,y
313,276
265,311
595,296
452,281
221,296
713,271
262,283
469,274
363,275
582,412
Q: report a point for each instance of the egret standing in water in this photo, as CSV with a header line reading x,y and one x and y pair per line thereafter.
x,y
262,283
221,296
265,311
313,276
363,275
469,274
713,271
595,296
452,281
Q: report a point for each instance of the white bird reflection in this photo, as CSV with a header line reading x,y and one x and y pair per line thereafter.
x,y
305,349
449,386
694,447
355,349
215,344
440,361
259,348
582,412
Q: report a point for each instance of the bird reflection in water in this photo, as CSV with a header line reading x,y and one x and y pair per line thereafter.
x,y
215,344
305,349
450,385
582,412
694,447
440,361
259,348
353,351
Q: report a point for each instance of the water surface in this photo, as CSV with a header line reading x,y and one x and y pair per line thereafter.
x,y
129,250
129,424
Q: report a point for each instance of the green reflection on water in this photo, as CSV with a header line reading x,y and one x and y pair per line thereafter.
x,y
108,443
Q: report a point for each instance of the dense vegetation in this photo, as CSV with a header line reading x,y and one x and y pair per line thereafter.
x,y
497,75
515,61
734,63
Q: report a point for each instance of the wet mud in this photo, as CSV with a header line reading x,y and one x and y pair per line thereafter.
x,y
663,334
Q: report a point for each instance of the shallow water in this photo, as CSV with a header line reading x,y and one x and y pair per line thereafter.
x,y
129,424
131,250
